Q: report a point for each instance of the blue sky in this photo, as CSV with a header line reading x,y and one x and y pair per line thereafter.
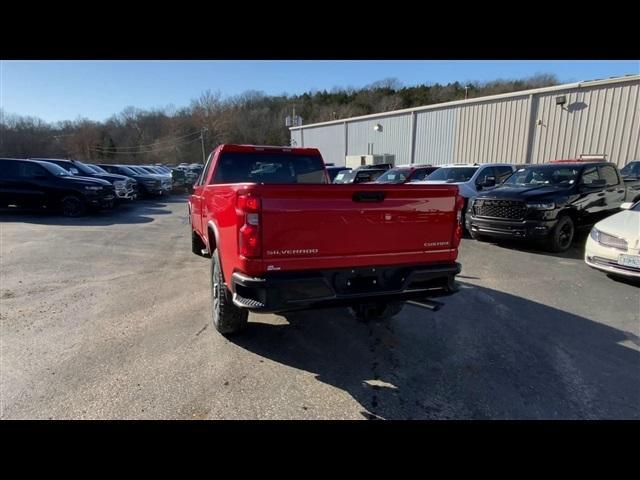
x,y
67,90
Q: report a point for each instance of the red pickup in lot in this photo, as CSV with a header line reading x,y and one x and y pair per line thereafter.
x,y
282,238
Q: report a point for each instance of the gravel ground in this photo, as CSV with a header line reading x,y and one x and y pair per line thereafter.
x,y
108,317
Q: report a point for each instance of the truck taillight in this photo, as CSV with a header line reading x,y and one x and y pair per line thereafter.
x,y
249,244
457,234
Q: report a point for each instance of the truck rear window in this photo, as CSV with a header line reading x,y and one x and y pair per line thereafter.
x,y
268,168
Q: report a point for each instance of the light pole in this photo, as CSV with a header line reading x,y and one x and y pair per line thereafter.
x,y
466,87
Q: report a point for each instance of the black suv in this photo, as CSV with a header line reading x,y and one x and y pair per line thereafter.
x,y
37,184
125,187
147,184
547,202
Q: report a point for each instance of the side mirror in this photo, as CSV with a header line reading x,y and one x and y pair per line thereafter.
x,y
626,206
488,182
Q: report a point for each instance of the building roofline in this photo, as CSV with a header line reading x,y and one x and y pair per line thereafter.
x,y
454,103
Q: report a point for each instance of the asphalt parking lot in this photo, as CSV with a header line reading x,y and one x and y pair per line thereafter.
x,y
108,317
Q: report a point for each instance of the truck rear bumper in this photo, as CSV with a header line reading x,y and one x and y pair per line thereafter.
x,y
285,291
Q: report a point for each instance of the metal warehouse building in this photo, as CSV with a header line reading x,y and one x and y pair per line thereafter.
x,y
532,126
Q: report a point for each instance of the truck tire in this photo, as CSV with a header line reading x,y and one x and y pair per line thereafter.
x,y
562,235
227,318
376,311
73,206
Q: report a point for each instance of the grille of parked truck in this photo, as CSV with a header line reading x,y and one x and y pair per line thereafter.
x,y
282,238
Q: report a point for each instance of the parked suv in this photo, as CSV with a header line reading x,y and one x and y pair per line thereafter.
x,y
147,184
38,184
548,202
470,178
125,187
165,180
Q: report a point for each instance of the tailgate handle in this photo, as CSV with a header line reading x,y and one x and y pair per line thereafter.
x,y
368,196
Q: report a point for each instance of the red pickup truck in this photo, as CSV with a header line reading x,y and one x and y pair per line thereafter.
x,y
282,237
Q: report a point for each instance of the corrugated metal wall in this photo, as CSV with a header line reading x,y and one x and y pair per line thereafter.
x,y
602,118
492,132
296,138
328,139
435,136
395,137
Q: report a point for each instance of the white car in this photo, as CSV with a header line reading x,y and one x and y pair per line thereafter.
x,y
613,245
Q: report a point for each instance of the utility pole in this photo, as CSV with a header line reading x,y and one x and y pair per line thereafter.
x,y
293,121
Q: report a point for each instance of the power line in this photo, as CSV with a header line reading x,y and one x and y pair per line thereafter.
x,y
158,143
101,150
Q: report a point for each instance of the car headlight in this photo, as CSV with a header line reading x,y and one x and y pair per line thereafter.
x,y
595,234
92,187
542,206
119,184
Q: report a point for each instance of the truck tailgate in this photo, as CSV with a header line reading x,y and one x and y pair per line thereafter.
x,y
333,226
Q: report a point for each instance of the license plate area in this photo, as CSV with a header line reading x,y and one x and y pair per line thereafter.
x,y
629,261
364,280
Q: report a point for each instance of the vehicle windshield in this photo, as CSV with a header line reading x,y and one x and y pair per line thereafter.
x,y
129,171
56,170
552,176
636,207
453,174
140,170
82,168
236,167
334,172
395,175
97,169
344,176
627,170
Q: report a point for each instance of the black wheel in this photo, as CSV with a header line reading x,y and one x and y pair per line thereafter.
x,y
376,311
562,235
227,318
73,206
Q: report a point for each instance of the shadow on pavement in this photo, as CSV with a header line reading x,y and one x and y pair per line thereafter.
x,y
575,252
485,355
138,211
634,282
